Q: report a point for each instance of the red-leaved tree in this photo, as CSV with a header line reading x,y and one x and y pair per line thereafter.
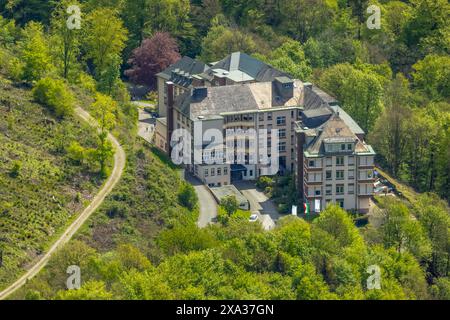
x,y
153,56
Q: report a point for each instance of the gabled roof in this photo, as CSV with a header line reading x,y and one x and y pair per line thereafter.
x,y
335,130
316,98
242,67
186,66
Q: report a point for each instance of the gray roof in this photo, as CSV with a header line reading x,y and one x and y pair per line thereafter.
x,y
220,99
253,69
319,112
317,98
356,129
335,130
234,99
185,67
226,191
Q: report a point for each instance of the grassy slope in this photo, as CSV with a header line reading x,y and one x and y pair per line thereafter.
x,y
49,191
144,203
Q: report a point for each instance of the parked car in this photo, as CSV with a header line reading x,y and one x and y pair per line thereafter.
x,y
254,217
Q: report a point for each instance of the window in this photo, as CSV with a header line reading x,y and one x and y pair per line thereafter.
x,y
282,133
219,172
269,116
369,174
318,192
213,172
329,175
351,161
351,189
281,121
351,174
312,163
340,202
251,173
349,147
339,175
225,171
261,117
340,189
282,147
328,189
342,147
339,161
206,172
329,161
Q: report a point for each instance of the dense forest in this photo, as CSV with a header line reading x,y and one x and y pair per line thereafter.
x,y
388,79
143,243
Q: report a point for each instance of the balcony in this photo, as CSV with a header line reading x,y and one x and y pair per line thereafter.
x,y
240,124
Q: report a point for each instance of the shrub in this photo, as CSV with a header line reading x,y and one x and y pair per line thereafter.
x,y
230,204
76,153
187,197
55,95
264,182
87,82
12,65
15,170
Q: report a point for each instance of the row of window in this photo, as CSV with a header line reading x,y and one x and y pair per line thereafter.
x,y
281,120
340,161
340,175
217,171
339,189
344,147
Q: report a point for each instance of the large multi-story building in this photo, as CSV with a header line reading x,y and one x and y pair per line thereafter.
x,y
316,140
188,73
334,164
262,105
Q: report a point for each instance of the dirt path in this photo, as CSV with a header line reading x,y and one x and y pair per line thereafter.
x,y
119,165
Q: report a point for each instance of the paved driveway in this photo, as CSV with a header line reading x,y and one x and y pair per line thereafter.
x,y
259,203
146,125
208,205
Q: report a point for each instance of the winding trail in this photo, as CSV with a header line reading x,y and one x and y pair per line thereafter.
x,y
119,165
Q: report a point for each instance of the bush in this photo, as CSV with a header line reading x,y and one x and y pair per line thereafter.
x,y
230,205
76,153
264,182
187,197
12,65
87,82
15,170
55,95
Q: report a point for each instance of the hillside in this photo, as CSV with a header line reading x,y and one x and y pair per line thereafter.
x,y
389,70
41,190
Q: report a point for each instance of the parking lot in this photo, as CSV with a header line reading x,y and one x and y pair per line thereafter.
x,y
259,204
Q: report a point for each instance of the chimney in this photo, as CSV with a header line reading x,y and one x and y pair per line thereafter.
x,y
284,88
170,115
